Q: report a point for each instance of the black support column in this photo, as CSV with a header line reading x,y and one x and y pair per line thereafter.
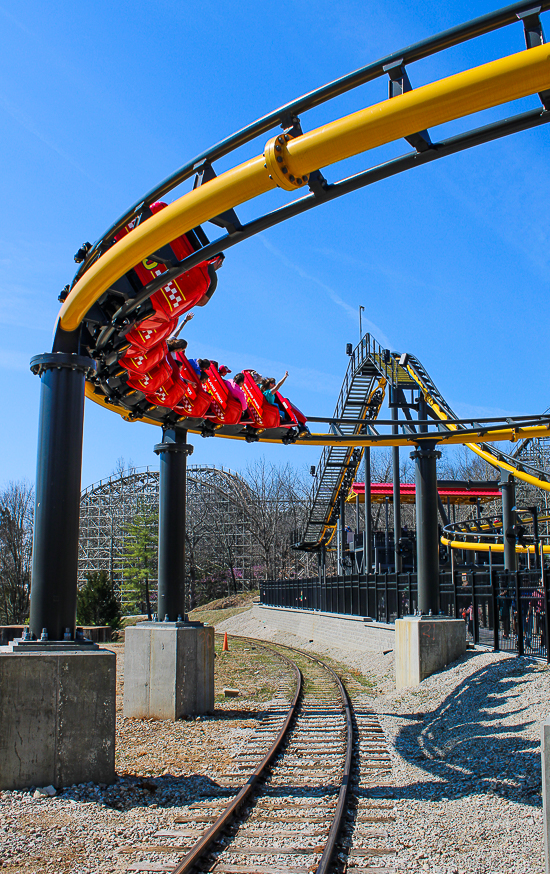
x,y
427,535
398,562
368,513
508,488
57,508
173,452
343,534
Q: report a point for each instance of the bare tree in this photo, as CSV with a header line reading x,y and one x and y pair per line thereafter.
x,y
16,517
273,503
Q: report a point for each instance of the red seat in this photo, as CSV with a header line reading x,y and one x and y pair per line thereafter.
x,y
143,362
293,412
196,407
225,408
145,337
178,295
170,393
152,381
265,415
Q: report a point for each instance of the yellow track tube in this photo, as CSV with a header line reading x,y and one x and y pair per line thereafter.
x,y
329,440
462,94
494,547
513,435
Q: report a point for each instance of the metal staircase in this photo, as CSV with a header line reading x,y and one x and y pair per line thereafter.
x,y
370,371
360,399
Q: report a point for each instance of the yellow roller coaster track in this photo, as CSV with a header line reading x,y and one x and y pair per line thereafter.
x,y
489,85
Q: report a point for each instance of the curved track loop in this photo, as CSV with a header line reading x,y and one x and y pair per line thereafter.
x,y
291,161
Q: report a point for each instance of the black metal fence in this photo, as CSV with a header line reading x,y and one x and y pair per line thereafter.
x,y
502,610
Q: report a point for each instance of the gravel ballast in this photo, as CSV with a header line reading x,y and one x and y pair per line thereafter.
x,y
465,783
465,748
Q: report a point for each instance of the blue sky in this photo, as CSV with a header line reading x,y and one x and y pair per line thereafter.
x,y
99,102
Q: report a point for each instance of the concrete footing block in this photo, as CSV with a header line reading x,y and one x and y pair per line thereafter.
x,y
545,756
424,645
168,670
57,718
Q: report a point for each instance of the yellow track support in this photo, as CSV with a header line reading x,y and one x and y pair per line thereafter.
x,y
514,434
471,91
485,547
383,440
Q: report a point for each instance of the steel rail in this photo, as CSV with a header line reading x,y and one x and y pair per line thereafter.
x,y
456,96
490,547
410,160
216,829
325,862
233,806
478,420
285,114
448,437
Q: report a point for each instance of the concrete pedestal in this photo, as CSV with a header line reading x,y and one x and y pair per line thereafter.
x,y
168,670
545,755
424,645
57,718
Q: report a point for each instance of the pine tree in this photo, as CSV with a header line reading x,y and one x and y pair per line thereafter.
x,y
141,560
97,603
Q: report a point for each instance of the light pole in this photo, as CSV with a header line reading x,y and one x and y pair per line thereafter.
x,y
361,310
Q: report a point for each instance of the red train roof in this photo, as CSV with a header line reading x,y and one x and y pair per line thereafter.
x,y
456,493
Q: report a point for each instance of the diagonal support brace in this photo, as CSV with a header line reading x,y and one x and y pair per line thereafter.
x,y
534,36
399,84
228,219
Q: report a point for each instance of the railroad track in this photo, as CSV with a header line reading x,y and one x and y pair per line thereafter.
x,y
307,792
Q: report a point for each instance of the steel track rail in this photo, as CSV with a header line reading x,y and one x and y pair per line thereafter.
x,y
337,822
285,114
198,851
232,807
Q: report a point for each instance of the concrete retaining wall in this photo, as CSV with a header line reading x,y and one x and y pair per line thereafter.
x,y
332,629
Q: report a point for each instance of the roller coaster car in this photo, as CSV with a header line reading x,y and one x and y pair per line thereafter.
x,y
225,408
140,362
194,288
144,338
195,402
266,415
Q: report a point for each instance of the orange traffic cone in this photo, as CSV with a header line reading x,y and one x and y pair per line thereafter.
x,y
225,647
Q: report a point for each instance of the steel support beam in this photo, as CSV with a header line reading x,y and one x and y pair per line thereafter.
x,y
173,452
57,508
368,511
427,534
343,536
508,489
398,561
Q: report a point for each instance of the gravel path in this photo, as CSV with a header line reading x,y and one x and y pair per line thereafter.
x,y
465,747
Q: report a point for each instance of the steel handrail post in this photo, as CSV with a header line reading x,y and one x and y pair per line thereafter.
x,y
453,583
496,629
474,606
519,629
544,578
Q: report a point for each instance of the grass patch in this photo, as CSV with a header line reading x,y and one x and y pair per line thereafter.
x,y
224,608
